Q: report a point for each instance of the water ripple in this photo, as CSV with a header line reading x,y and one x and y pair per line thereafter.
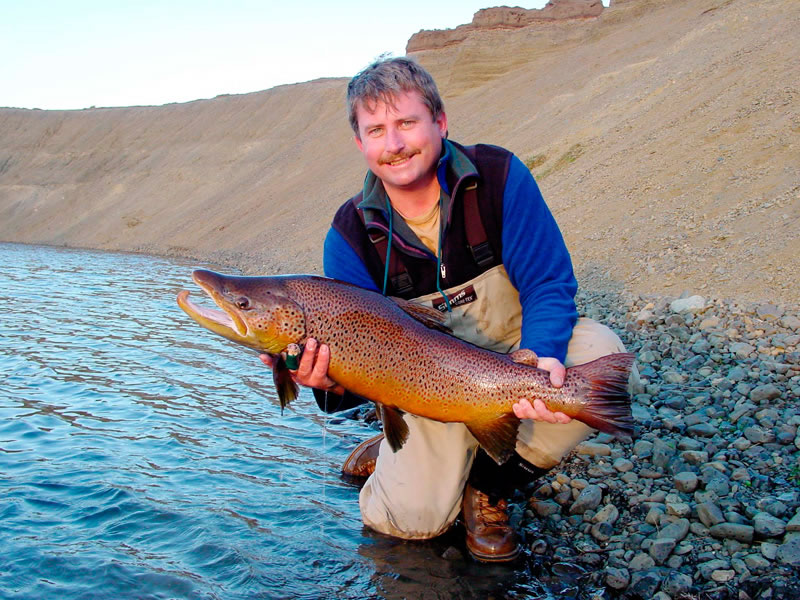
x,y
142,457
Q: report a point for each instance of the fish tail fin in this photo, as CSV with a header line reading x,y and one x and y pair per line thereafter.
x,y
498,437
607,404
284,384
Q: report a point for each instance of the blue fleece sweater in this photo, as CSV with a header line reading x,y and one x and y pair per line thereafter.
x,y
534,255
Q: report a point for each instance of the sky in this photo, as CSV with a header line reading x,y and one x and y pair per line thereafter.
x,y
73,54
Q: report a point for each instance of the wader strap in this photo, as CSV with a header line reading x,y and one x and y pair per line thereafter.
x,y
398,274
476,234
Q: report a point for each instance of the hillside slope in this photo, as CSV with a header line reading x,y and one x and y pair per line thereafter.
x,y
663,134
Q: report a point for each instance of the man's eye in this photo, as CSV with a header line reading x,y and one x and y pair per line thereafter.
x,y
407,124
375,131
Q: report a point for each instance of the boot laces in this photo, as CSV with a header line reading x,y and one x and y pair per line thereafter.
x,y
492,515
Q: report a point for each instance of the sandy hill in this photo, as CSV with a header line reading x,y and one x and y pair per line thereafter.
x,y
664,134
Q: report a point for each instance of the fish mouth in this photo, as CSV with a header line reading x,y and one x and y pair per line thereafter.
x,y
226,322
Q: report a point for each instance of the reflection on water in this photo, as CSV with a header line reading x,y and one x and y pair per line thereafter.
x,y
143,457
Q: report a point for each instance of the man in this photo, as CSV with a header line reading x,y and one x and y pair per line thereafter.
x,y
463,229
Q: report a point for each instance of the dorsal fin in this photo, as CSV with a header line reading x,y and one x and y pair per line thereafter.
x,y
430,317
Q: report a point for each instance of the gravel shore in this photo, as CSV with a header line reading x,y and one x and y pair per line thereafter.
x,y
705,502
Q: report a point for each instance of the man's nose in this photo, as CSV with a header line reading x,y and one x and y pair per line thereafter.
x,y
394,141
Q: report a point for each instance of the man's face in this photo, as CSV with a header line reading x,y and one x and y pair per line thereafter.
x,y
401,143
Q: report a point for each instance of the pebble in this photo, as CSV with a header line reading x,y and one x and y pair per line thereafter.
x,y
742,349
589,499
706,497
723,575
693,303
710,514
679,509
766,525
676,584
617,578
593,449
732,531
677,530
661,548
707,568
623,465
608,514
644,584
789,553
765,393
686,481
769,551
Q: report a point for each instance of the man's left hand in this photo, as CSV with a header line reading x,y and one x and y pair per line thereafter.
x,y
537,410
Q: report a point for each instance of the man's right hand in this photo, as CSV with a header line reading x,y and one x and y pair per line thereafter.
x,y
313,368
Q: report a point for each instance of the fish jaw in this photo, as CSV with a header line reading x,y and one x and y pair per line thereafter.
x,y
218,321
254,312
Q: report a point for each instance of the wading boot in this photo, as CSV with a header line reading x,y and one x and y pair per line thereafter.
x,y
361,462
490,537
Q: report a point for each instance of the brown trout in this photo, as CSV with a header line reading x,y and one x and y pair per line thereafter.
x,y
395,353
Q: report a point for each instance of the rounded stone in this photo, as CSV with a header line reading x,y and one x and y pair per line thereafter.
x,y
764,393
710,514
733,531
608,514
789,553
617,578
686,481
602,531
623,465
692,303
768,526
661,548
723,575
589,499
676,584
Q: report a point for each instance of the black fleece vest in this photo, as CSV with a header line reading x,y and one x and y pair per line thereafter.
x,y
461,265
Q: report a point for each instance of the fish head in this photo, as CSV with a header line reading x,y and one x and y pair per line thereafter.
x,y
256,312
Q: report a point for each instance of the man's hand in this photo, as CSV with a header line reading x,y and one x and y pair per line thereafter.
x,y
537,411
313,368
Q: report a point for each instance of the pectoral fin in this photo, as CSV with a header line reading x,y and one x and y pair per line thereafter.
x,y
497,436
394,427
430,317
284,384
525,357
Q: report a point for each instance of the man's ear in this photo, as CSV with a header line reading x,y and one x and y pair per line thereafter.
x,y
441,122
357,140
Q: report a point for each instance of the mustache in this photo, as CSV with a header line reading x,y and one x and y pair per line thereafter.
x,y
393,157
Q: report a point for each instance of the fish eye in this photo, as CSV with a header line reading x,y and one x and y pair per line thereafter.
x,y
243,302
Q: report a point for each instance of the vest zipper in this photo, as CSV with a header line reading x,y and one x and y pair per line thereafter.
x,y
441,271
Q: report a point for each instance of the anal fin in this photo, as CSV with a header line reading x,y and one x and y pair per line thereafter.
x,y
498,436
394,427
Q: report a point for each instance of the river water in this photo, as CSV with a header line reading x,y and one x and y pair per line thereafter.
x,y
144,457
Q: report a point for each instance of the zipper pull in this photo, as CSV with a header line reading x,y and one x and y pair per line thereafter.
x,y
443,271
